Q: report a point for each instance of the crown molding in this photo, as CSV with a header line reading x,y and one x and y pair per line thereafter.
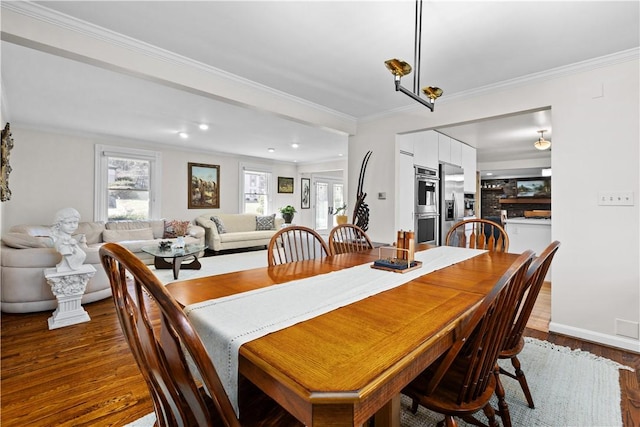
x,y
44,14
86,29
632,54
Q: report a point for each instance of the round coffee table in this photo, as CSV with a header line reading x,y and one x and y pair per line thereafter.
x,y
164,258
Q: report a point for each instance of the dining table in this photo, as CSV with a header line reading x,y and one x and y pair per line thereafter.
x,y
349,364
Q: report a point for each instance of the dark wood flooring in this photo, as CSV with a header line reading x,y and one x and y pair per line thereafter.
x,y
84,375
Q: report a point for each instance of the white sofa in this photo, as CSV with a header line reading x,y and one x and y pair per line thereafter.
x,y
26,252
239,231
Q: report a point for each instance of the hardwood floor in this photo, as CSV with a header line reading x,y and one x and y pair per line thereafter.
x,y
84,375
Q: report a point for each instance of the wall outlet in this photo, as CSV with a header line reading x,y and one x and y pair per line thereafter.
x,y
615,198
382,196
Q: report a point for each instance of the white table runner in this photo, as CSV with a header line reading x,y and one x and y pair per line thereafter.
x,y
224,324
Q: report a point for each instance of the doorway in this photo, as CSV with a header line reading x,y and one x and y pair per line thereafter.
x,y
329,195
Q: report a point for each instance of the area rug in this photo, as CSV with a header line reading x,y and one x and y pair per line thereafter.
x,y
217,264
569,388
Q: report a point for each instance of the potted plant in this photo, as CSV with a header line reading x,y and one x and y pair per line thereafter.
x,y
341,214
287,213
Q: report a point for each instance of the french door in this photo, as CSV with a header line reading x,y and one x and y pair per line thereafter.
x,y
329,196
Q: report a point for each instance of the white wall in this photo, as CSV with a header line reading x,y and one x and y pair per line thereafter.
x,y
596,127
53,170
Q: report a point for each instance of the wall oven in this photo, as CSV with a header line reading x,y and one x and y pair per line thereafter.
x,y
427,228
427,215
426,186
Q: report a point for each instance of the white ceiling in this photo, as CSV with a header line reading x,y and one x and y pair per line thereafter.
x,y
328,53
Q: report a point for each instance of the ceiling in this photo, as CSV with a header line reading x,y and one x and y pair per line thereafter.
x,y
326,54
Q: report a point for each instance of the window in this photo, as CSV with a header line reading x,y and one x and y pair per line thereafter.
x,y
256,190
127,183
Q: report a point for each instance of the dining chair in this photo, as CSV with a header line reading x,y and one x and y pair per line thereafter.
x,y
479,234
296,243
345,238
166,347
463,380
514,342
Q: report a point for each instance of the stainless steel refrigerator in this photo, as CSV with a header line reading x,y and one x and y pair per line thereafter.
x,y
451,198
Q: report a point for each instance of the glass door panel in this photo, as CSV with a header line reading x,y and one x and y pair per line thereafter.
x,y
329,197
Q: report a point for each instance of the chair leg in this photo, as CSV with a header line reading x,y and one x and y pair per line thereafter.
x,y
491,415
503,408
450,421
414,406
522,380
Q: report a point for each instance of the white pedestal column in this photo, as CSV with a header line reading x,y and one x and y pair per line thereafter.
x,y
68,287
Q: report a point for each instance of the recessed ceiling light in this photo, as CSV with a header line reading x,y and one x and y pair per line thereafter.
x,y
183,135
203,126
271,150
489,173
340,155
295,145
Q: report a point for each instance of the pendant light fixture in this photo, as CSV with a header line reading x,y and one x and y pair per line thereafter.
x,y
541,143
400,68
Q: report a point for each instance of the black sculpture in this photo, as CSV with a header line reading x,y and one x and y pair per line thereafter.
x,y
361,211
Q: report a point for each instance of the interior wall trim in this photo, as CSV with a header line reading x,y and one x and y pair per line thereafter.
x,y
597,337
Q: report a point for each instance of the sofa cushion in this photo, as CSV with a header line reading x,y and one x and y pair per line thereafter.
x,y
175,228
238,222
92,231
246,235
157,226
266,222
124,234
26,241
219,224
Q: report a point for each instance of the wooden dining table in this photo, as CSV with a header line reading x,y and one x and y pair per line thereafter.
x,y
345,366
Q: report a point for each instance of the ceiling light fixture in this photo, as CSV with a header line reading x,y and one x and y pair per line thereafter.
x,y
400,68
295,145
203,126
183,135
541,143
271,150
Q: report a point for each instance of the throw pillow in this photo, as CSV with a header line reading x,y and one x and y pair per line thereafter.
x,y
175,228
219,224
266,222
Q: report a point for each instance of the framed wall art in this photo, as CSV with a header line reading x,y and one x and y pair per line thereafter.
x,y
285,185
305,193
204,186
5,148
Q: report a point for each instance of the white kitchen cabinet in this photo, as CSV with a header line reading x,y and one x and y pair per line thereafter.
x,y
449,150
469,164
528,233
444,148
425,149
405,191
456,152
405,142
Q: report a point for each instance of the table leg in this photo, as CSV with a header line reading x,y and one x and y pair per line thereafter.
x,y
389,414
176,264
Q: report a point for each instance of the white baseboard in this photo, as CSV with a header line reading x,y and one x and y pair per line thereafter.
x,y
610,340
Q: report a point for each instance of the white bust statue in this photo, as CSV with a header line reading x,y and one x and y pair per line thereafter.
x,y
66,222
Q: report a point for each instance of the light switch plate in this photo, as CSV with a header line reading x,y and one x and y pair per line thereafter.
x,y
615,198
